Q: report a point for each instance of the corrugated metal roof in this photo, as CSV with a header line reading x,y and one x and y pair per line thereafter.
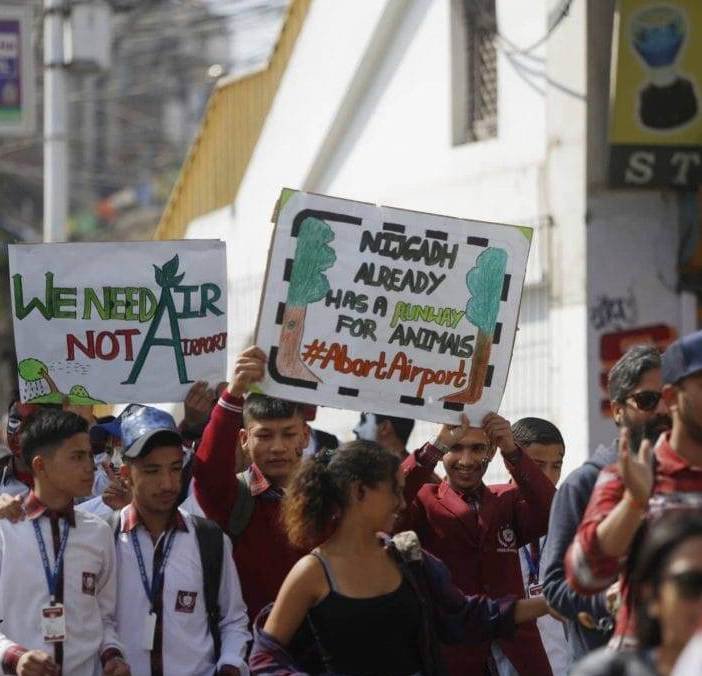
x,y
230,128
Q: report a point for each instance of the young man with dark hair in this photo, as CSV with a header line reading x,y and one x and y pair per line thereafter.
x,y
57,566
476,530
273,432
543,442
644,484
391,432
162,613
634,385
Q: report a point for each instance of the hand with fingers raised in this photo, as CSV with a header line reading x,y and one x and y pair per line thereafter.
x,y
636,469
198,405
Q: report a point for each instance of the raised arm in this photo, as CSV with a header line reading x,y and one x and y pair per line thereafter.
x,y
613,515
533,500
214,471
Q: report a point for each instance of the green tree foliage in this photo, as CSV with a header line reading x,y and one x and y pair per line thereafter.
x,y
78,391
313,255
484,282
32,369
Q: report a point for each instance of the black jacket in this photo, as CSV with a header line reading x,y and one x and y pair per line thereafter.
x,y
567,510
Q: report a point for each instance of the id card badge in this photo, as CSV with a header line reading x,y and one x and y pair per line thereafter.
x,y
53,623
149,631
535,590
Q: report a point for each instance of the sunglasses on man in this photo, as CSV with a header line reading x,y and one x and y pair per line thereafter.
x,y
646,400
688,583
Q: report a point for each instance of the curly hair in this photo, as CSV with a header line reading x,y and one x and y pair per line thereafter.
x,y
318,492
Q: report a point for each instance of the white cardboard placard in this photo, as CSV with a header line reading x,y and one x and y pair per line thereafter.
x,y
118,322
390,311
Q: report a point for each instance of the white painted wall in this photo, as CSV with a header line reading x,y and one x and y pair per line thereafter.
x,y
364,112
644,224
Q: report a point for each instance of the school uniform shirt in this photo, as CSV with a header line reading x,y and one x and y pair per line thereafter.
x,y
10,484
552,631
183,644
87,589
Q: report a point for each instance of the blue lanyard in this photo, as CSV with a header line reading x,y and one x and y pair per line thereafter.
x,y
533,564
153,588
52,575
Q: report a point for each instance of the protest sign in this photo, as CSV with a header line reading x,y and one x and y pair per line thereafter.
x,y
118,322
389,311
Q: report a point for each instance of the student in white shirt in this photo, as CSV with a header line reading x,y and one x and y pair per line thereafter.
x,y
543,443
165,630
57,566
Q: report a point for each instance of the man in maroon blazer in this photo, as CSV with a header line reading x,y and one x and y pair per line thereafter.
x,y
477,530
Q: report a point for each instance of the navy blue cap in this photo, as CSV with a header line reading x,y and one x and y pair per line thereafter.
x,y
137,424
682,358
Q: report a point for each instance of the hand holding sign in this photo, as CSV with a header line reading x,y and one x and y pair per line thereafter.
x,y
450,435
249,368
499,433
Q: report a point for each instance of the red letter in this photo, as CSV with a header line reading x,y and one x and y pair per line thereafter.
x,y
128,347
114,351
72,342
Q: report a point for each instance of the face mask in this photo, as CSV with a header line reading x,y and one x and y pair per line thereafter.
x,y
100,458
367,428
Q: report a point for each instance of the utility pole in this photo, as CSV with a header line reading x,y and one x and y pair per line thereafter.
x,y
55,122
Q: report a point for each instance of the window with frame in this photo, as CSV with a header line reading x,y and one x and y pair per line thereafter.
x,y
474,70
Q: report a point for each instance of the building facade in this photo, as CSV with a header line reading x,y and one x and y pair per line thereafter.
x,y
481,109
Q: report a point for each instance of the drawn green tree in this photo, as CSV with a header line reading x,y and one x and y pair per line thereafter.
x,y
484,283
167,278
32,370
308,284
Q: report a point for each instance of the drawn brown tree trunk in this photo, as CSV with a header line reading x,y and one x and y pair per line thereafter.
x,y
478,372
288,361
49,381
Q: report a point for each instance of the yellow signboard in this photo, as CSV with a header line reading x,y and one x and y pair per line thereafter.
x,y
656,112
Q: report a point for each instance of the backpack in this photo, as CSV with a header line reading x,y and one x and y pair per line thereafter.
x,y
210,540
243,507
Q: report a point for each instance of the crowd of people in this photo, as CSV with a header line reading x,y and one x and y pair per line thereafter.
x,y
242,540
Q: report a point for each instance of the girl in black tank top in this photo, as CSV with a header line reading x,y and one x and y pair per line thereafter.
x,y
350,593
387,626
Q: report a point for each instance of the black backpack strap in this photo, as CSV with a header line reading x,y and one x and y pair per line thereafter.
x,y
210,540
243,507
